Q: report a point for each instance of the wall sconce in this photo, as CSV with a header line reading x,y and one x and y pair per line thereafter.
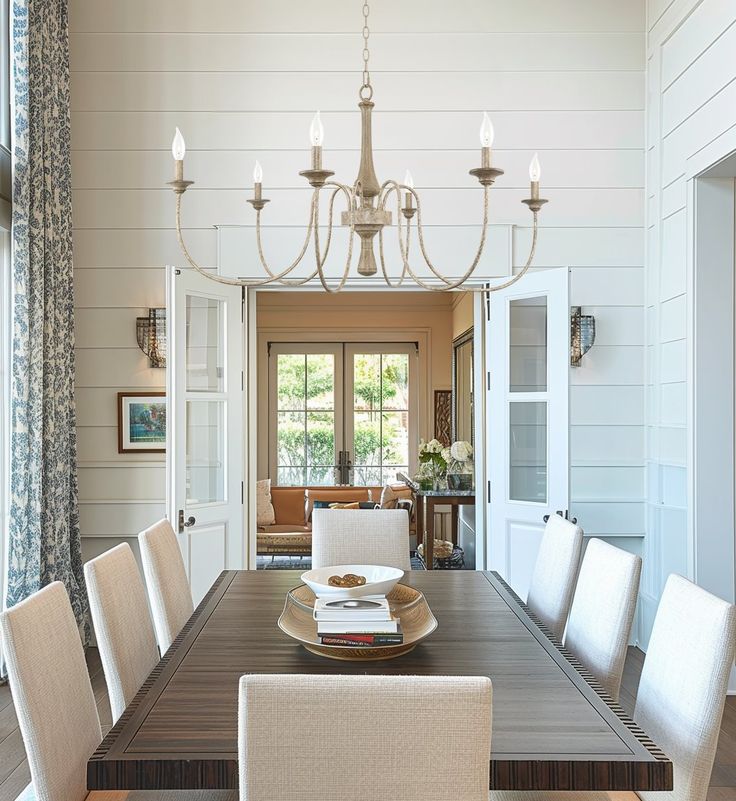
x,y
582,334
151,335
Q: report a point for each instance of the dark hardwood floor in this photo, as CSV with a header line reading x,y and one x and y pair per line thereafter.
x,y
14,775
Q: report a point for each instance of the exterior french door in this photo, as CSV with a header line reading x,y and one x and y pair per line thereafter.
x,y
205,431
341,413
529,351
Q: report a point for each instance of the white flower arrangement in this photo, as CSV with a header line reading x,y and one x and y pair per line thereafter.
x,y
461,451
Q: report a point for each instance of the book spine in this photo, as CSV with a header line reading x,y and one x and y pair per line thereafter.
x,y
362,641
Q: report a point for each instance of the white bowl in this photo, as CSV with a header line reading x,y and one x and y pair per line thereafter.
x,y
379,580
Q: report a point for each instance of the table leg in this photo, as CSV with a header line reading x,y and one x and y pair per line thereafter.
x,y
429,535
454,514
419,501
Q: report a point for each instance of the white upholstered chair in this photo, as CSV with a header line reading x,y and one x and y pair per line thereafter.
x,y
52,693
123,627
602,612
166,580
55,705
684,682
343,735
553,580
681,694
360,536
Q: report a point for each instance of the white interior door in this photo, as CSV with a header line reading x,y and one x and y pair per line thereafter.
x,y
529,350
205,427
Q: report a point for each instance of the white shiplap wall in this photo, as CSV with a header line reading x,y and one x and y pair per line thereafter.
x,y
691,103
242,80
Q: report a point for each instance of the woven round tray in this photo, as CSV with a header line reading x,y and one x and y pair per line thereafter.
x,y
406,603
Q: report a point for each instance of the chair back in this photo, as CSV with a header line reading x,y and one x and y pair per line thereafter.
x,y
360,537
684,683
602,612
555,571
166,580
125,636
345,734
52,693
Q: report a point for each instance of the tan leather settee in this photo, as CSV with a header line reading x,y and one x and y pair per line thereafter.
x,y
292,531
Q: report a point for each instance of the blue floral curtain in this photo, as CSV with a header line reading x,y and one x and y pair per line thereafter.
x,y
44,542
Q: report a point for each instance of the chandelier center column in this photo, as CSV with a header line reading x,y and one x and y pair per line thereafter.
x,y
368,219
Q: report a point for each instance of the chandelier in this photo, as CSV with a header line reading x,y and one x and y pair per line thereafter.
x,y
366,212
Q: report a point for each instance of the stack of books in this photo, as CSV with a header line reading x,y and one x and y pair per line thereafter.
x,y
357,622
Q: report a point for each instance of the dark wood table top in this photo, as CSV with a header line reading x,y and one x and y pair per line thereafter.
x,y
552,730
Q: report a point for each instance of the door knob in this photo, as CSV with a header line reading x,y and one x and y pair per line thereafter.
x,y
190,521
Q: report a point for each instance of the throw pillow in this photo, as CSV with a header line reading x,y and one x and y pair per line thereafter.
x,y
389,498
265,513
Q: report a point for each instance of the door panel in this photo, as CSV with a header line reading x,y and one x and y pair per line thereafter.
x,y
528,352
305,413
205,433
381,412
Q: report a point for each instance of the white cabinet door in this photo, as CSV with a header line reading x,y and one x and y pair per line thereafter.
x,y
205,431
529,351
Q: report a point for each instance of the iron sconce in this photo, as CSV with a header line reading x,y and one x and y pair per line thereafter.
x,y
151,335
582,334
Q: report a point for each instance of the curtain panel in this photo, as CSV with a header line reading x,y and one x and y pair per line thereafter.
x,y
44,541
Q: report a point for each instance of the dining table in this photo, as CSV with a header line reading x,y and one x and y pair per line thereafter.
x,y
554,728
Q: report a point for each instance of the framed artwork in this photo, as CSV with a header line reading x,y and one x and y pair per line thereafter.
x,y
141,422
443,415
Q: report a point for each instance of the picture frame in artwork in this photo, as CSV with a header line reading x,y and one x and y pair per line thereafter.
x,y
443,416
141,422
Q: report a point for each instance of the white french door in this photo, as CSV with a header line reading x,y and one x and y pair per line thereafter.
x,y
529,350
205,463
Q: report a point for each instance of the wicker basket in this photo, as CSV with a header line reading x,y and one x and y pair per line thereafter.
x,y
456,561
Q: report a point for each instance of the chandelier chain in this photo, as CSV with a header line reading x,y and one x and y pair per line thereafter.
x,y
366,90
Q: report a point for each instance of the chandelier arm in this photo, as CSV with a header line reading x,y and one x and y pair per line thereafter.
x,y
382,259
311,225
320,263
221,279
481,246
485,290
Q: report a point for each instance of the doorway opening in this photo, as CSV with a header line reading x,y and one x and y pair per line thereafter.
x,y
347,388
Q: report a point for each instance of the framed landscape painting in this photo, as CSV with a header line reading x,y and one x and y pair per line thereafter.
x,y
141,422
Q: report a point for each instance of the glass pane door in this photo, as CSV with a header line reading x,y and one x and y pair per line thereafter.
x,y
205,406
306,417
379,425
528,406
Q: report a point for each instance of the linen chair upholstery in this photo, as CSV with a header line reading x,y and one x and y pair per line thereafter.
x,y
125,636
52,693
602,612
684,682
166,580
331,738
553,580
360,536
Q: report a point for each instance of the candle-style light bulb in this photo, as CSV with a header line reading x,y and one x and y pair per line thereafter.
x,y
535,171
408,180
178,146
258,173
486,131
316,131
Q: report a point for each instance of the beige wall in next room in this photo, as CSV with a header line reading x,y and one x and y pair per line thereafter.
x,y
360,317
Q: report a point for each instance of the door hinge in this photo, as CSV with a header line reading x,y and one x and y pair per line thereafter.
x,y
488,380
242,380
242,493
488,490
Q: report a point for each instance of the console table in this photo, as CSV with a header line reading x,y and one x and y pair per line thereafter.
x,y
425,501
